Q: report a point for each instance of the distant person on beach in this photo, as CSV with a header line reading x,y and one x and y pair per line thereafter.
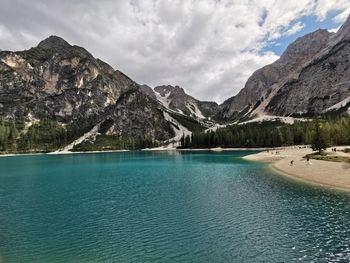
x,y
308,161
291,163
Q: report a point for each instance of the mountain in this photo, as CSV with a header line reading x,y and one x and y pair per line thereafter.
x,y
58,96
65,83
60,81
176,99
310,78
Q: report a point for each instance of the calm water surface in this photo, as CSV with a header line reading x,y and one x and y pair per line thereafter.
x,y
164,207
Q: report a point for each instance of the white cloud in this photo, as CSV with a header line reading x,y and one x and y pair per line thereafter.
x,y
295,28
323,7
342,16
209,47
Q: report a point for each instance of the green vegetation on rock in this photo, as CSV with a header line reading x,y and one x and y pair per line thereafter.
x,y
8,135
113,142
42,136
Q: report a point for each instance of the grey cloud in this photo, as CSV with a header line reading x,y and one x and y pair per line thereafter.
x,y
208,47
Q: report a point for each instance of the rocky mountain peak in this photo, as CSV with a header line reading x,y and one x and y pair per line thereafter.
x,y
176,99
53,42
166,89
265,82
52,46
84,95
306,45
320,86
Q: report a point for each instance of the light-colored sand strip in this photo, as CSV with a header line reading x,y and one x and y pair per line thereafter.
x,y
323,173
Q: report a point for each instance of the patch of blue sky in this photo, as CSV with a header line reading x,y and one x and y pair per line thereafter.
x,y
311,24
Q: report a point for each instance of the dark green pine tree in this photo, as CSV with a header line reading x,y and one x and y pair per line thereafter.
x,y
319,140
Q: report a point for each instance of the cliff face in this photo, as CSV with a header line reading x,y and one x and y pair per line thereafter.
x,y
56,80
138,116
319,86
310,78
265,82
322,85
176,99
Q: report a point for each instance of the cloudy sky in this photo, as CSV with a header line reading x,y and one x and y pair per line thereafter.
x,y
209,47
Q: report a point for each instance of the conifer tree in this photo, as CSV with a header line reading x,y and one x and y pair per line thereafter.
x,y
319,138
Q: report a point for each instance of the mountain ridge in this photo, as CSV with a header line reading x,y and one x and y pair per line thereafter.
x,y
66,84
267,94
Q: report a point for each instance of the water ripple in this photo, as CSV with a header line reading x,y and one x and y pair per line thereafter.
x,y
154,207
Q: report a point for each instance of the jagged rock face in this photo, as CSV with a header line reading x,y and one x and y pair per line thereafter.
x,y
178,99
208,108
320,85
175,98
148,91
138,116
310,78
58,81
265,82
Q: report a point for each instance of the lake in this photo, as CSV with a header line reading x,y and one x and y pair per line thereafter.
x,y
165,207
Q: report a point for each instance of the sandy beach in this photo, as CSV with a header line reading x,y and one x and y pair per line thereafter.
x,y
324,173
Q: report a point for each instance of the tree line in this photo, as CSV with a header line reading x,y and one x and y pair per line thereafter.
x,y
115,142
45,135
273,134
49,135
8,135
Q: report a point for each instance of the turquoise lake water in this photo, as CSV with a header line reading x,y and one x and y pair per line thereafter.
x,y
165,207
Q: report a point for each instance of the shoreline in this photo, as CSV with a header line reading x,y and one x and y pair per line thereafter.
x,y
305,181
158,149
333,175
58,153
327,174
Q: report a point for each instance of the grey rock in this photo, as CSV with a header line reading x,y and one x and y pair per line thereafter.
x,y
59,81
148,91
321,84
180,101
265,82
138,116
